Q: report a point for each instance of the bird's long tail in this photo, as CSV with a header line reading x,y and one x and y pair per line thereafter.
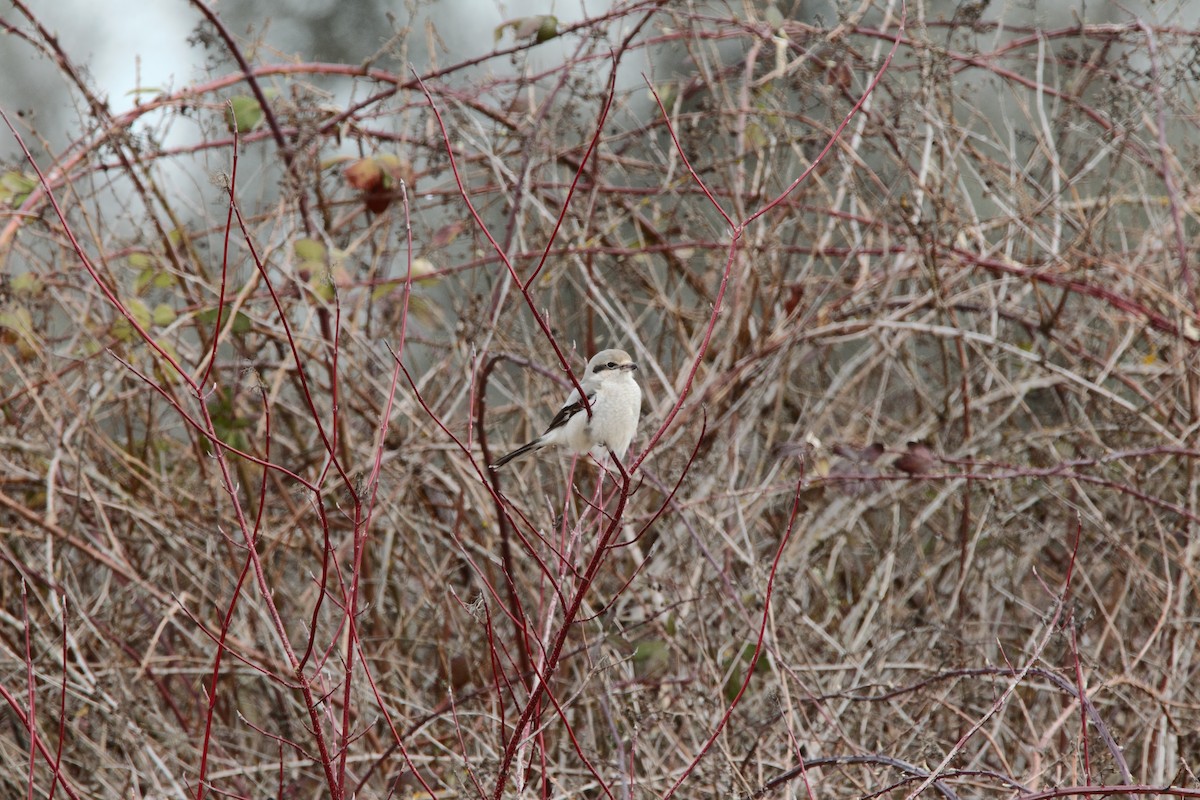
x,y
520,451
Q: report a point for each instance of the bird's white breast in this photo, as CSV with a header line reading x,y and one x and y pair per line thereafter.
x,y
615,418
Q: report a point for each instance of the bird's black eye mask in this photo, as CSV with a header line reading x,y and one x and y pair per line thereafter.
x,y
602,367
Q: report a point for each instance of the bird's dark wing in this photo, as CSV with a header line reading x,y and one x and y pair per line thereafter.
x,y
568,411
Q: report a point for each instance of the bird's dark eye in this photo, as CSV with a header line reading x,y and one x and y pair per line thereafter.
x,y
612,365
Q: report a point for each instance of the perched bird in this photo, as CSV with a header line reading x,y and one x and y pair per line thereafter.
x,y
616,403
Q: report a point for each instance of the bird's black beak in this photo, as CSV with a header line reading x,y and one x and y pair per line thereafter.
x,y
630,366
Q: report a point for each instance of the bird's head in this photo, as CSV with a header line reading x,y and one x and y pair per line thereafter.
x,y
609,363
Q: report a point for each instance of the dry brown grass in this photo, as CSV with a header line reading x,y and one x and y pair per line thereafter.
x,y
918,468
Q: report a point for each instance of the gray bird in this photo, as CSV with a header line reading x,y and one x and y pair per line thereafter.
x,y
616,403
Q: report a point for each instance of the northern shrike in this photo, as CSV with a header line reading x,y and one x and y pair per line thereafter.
x,y
616,403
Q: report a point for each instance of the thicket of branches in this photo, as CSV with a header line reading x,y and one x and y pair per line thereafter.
x,y
912,509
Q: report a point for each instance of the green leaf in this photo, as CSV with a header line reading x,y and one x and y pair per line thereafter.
x,y
163,315
383,290
335,161
651,660
309,250
548,29
142,280
498,34
228,424
163,370
17,181
422,268
543,27
138,310
18,320
15,187
755,138
243,114
736,675
241,323
27,283
122,330
733,684
322,286
667,93
425,312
